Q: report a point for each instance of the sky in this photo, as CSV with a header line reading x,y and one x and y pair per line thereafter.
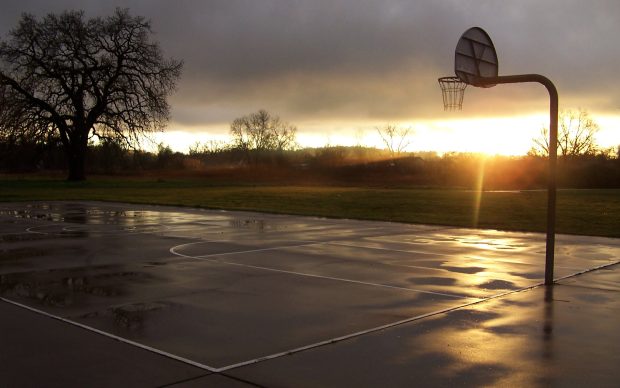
x,y
338,69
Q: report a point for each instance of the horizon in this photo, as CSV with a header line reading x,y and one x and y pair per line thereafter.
x,y
507,136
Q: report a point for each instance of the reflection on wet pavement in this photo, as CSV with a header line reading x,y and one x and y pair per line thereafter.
x,y
67,289
547,336
223,287
131,317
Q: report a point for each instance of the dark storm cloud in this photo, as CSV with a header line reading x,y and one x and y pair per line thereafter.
x,y
367,59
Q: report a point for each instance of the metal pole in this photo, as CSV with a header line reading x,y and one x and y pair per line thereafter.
x,y
553,155
551,181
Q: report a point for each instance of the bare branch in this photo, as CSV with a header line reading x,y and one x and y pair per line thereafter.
x,y
396,139
576,135
261,131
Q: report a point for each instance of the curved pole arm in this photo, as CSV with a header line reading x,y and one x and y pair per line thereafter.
x,y
553,152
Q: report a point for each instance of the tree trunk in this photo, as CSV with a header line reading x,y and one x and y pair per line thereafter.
x,y
76,159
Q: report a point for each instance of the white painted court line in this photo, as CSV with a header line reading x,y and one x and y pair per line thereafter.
x,y
586,271
397,323
368,331
112,336
307,347
298,349
292,351
174,251
208,258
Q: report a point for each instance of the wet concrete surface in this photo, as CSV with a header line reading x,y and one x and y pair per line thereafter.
x,y
566,337
229,289
37,351
233,314
214,381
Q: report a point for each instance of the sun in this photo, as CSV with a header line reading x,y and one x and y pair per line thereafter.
x,y
509,136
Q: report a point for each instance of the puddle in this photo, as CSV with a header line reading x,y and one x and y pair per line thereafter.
x,y
7,255
526,275
252,224
491,243
19,237
81,221
88,230
498,285
133,317
64,288
29,215
155,263
433,281
467,270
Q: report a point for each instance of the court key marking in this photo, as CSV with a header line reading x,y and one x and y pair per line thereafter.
x,y
209,258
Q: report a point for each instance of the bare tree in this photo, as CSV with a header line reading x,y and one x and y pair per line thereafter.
x,y
576,135
396,139
74,79
261,131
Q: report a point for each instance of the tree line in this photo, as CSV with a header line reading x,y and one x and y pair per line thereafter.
x,y
332,165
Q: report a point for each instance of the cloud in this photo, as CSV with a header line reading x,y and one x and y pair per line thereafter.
x,y
362,59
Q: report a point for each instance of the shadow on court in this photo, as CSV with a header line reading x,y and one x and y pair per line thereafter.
x,y
100,294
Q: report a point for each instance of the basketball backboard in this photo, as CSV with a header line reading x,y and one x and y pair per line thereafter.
x,y
475,57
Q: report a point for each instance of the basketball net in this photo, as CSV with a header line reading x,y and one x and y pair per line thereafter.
x,y
452,89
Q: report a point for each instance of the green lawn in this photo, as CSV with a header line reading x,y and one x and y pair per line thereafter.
x,y
587,212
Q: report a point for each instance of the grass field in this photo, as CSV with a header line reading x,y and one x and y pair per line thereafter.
x,y
585,212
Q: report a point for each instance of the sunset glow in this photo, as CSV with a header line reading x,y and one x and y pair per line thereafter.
x,y
491,136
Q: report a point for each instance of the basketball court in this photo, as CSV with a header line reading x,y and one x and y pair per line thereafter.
x,y
100,293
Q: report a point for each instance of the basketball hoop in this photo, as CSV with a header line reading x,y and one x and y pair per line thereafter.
x,y
452,89
475,63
